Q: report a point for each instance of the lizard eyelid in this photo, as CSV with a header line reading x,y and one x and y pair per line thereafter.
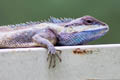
x,y
88,22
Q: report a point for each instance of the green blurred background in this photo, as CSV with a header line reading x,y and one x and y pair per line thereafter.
x,y
19,11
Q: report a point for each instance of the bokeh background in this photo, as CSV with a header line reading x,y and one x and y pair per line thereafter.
x,y
19,11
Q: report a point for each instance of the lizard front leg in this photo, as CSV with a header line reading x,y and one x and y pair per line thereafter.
x,y
52,52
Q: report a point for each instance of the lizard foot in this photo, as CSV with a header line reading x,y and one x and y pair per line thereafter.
x,y
52,58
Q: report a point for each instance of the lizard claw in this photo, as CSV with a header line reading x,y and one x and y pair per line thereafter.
x,y
52,58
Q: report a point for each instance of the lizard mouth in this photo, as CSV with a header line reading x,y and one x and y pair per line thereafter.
x,y
98,28
101,30
97,33
94,34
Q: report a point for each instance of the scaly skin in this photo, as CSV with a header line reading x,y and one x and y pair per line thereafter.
x,y
66,32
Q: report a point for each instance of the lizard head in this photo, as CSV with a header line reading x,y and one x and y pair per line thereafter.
x,y
82,30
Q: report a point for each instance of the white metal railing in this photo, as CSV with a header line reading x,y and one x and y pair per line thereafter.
x,y
78,63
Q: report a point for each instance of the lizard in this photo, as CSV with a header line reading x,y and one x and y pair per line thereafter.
x,y
55,31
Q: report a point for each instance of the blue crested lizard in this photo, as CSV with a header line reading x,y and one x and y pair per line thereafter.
x,y
64,32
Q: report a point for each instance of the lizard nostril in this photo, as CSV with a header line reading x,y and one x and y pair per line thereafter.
x,y
102,23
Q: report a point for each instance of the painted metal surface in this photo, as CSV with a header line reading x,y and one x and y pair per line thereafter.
x,y
88,62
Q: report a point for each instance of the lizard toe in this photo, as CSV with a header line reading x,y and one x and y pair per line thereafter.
x,y
52,58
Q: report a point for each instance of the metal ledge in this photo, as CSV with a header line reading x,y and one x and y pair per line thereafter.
x,y
86,62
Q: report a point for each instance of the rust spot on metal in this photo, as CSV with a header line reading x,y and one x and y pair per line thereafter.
x,y
82,51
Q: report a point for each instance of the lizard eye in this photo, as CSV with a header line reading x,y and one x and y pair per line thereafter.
x,y
88,22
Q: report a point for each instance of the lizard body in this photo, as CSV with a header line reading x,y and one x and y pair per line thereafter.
x,y
65,32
